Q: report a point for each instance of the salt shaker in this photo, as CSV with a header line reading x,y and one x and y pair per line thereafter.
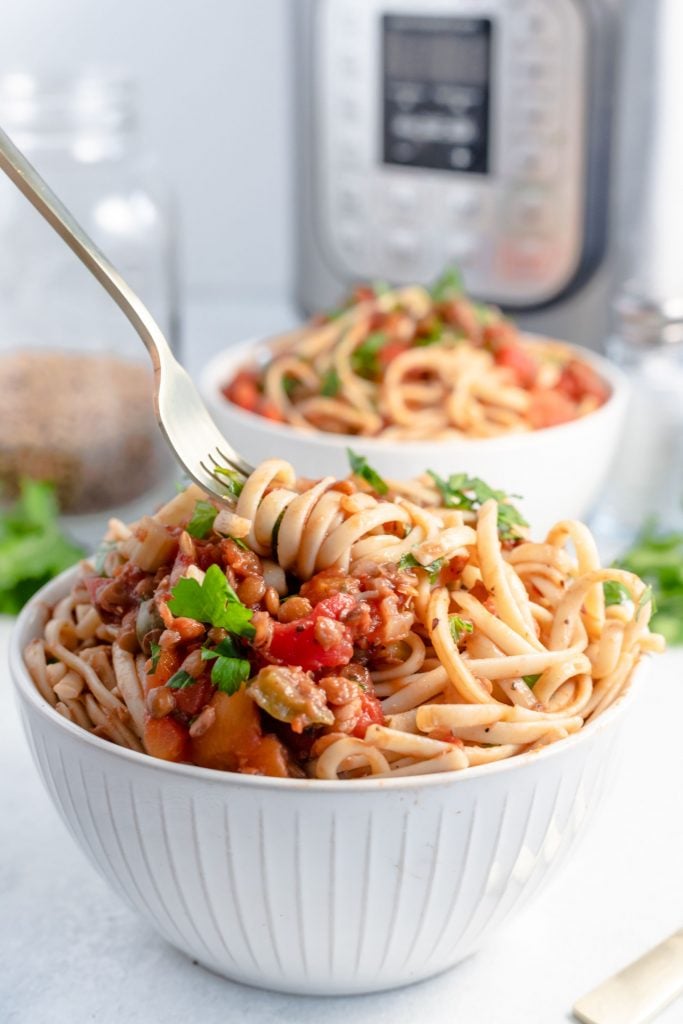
x,y
646,483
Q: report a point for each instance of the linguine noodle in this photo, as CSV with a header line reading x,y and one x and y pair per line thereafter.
x,y
339,632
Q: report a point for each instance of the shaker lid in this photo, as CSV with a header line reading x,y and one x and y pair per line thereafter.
x,y
647,320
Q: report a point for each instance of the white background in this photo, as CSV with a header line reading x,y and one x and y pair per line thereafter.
x,y
214,84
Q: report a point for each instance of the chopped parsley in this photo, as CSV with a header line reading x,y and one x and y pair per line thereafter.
x,y
202,520
181,680
531,680
364,360
448,286
213,602
330,384
33,548
99,559
289,384
231,480
615,593
409,561
154,652
435,335
229,669
469,493
458,626
359,467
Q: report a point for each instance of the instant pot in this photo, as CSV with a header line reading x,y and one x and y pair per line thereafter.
x,y
469,132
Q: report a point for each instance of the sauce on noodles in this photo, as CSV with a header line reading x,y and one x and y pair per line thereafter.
x,y
413,363
337,629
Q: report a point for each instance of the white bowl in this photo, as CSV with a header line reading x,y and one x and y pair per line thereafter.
x,y
309,886
558,471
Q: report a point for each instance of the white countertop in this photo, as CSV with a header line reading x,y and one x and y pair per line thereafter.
x,y
71,952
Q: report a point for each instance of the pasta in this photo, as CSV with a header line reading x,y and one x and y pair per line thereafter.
x,y
417,364
341,629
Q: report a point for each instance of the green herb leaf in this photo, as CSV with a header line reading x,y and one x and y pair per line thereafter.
x,y
615,593
647,597
469,493
32,547
459,626
359,467
202,520
658,559
228,674
409,561
364,359
154,651
225,649
448,286
181,680
231,480
289,384
213,602
531,680
99,559
329,385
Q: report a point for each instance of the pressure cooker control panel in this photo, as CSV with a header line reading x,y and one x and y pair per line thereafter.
x,y
453,132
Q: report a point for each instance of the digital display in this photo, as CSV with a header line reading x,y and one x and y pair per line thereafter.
x,y
437,74
426,57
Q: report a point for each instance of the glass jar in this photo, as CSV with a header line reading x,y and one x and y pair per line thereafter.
x,y
75,378
646,483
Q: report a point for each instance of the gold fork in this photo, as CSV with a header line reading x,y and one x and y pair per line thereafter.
x,y
195,440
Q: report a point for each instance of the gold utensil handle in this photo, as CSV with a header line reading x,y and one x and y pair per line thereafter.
x,y
639,992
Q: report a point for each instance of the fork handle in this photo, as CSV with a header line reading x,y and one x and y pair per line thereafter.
x,y
26,178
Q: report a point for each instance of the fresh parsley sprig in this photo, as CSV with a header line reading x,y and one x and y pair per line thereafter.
x,y
202,520
409,561
458,627
359,467
229,669
365,358
213,602
468,493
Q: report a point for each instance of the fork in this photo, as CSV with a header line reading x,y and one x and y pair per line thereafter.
x,y
194,438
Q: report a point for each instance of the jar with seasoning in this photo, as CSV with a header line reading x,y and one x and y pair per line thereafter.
x,y
646,483
75,379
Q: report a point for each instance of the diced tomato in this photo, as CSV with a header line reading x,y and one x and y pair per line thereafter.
x,y
579,380
167,665
191,699
390,351
168,739
522,364
550,409
269,410
243,390
371,714
294,643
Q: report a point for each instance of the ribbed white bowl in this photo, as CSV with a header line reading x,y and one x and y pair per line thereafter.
x,y
307,886
558,472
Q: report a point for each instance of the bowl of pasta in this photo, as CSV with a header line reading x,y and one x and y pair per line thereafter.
x,y
327,735
418,377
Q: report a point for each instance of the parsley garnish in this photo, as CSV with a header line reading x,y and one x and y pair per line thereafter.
x,y
458,626
615,592
229,670
289,384
469,493
231,480
409,561
359,467
435,335
202,520
32,547
154,651
647,596
364,359
531,680
181,680
100,557
213,602
329,385
448,286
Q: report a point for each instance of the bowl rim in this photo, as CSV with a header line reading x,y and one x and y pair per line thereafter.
x,y
216,367
33,613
